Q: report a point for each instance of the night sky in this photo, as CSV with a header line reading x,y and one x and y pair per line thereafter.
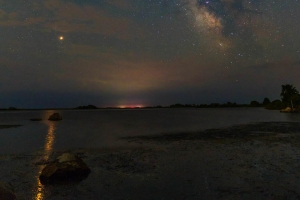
x,y
66,53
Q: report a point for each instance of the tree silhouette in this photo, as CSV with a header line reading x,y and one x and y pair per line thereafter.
x,y
266,101
254,104
287,91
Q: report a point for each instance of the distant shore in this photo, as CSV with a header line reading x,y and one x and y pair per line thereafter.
x,y
133,108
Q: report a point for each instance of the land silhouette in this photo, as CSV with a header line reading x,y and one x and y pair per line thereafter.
x,y
290,98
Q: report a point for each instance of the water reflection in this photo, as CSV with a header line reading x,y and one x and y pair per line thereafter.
x,y
292,116
48,148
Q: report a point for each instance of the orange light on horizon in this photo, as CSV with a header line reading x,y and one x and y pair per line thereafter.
x,y
130,106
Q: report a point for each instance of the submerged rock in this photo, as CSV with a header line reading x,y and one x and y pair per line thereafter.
x,y
55,117
36,119
66,168
6,193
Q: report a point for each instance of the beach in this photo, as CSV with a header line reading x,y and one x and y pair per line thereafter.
x,y
249,161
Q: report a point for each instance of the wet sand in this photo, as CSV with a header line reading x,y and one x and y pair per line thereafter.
x,y
252,161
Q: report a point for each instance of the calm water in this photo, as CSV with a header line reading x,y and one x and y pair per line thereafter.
x,y
102,128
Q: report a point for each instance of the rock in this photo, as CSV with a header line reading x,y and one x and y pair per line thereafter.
x,y
36,119
55,117
6,193
289,110
66,157
66,168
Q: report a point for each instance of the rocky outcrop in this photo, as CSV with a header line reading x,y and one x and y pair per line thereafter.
x,y
36,119
55,117
289,110
6,193
66,168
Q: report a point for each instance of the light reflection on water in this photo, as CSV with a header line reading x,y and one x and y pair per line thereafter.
x,y
104,128
48,148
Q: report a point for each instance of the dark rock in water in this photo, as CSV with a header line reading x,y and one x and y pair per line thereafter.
x,y
36,119
66,168
55,117
6,194
87,107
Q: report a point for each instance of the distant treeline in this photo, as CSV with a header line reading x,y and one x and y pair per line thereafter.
x,y
290,97
217,105
87,107
178,105
10,108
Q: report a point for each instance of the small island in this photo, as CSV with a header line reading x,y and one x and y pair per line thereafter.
x,y
290,100
87,107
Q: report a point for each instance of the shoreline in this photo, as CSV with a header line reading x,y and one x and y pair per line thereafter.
x,y
250,161
241,131
9,126
220,106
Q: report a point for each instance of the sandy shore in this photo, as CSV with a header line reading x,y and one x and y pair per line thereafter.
x,y
253,161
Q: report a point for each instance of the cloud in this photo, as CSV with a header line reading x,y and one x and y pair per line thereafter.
x,y
67,17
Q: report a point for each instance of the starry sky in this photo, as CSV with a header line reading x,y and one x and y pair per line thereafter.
x,y
66,53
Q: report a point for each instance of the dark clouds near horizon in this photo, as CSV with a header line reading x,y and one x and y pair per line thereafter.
x,y
128,52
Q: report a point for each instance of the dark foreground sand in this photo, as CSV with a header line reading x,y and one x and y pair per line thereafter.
x,y
253,161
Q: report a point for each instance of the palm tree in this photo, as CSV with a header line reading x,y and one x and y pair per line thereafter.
x,y
287,92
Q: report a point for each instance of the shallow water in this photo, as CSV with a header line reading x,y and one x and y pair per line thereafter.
x,y
102,128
